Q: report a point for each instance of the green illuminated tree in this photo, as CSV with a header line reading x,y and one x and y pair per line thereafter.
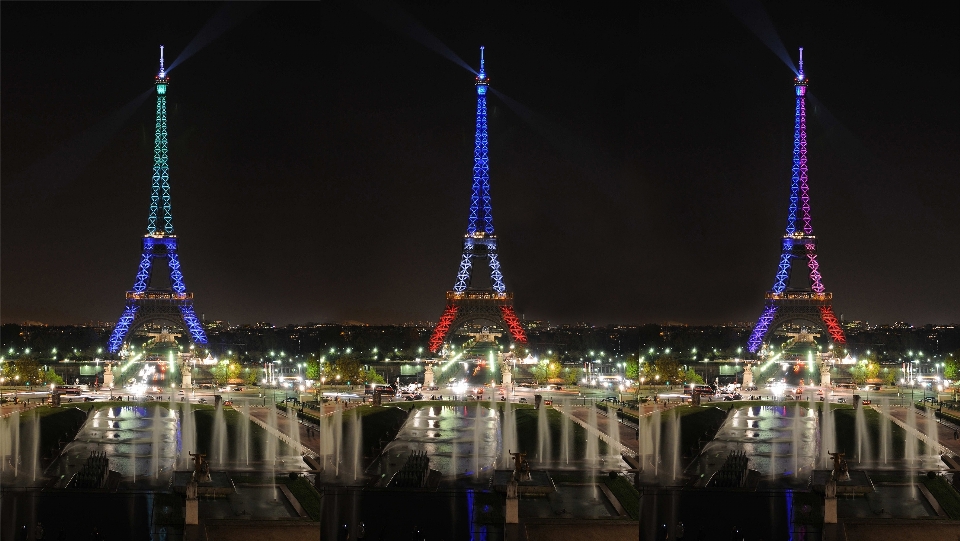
x,y
52,377
544,370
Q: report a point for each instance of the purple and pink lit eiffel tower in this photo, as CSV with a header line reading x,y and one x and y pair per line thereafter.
x,y
786,302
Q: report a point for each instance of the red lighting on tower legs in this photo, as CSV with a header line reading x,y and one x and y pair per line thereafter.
x,y
513,323
442,328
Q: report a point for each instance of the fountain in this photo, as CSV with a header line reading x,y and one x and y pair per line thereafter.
x,y
593,445
828,436
885,444
188,434
219,442
357,439
654,427
674,432
862,436
613,430
337,439
566,433
910,446
543,436
509,438
932,435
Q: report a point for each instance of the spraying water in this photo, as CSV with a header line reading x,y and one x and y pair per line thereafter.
x,y
219,440
566,432
885,444
593,444
862,437
357,443
543,436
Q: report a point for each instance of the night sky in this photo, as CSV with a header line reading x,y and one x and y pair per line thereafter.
x,y
321,156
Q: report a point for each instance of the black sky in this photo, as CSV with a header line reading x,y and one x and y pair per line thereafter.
x,y
321,161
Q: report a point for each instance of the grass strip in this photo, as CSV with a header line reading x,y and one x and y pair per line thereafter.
x,y
307,495
946,495
628,496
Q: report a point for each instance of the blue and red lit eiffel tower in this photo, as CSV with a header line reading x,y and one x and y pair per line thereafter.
x,y
466,303
785,303
149,302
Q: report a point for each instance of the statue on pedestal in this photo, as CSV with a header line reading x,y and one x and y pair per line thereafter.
x,y
840,470
108,375
824,375
747,375
201,468
521,468
428,376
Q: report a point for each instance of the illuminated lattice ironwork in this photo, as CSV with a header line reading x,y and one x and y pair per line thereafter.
x,y
786,302
466,303
513,324
443,327
173,303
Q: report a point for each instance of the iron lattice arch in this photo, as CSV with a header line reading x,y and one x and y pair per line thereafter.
x,y
464,308
786,301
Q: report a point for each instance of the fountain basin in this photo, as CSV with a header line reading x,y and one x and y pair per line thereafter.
x,y
220,484
859,483
540,483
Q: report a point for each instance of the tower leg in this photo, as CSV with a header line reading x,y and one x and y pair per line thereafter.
x,y
760,330
197,333
122,328
513,324
833,326
443,326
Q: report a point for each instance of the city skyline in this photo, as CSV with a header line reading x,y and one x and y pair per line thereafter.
x,y
321,161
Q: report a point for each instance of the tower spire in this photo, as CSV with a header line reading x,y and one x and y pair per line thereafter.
x,y
160,190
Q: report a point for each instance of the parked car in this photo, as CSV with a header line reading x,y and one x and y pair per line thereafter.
x,y
523,400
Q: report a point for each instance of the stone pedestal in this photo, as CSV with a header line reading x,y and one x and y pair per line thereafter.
x,y
192,514
428,376
830,511
107,375
824,375
513,503
747,376
187,381
507,374
830,502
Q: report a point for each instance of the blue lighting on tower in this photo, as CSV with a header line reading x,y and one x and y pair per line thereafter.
x,y
146,302
481,161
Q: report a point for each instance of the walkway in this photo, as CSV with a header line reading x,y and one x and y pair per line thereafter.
x,y
944,431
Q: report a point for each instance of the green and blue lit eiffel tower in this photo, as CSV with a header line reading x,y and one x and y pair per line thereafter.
x,y
168,303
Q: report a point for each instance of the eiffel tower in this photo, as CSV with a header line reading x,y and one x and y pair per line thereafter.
x,y
159,302
466,303
788,302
